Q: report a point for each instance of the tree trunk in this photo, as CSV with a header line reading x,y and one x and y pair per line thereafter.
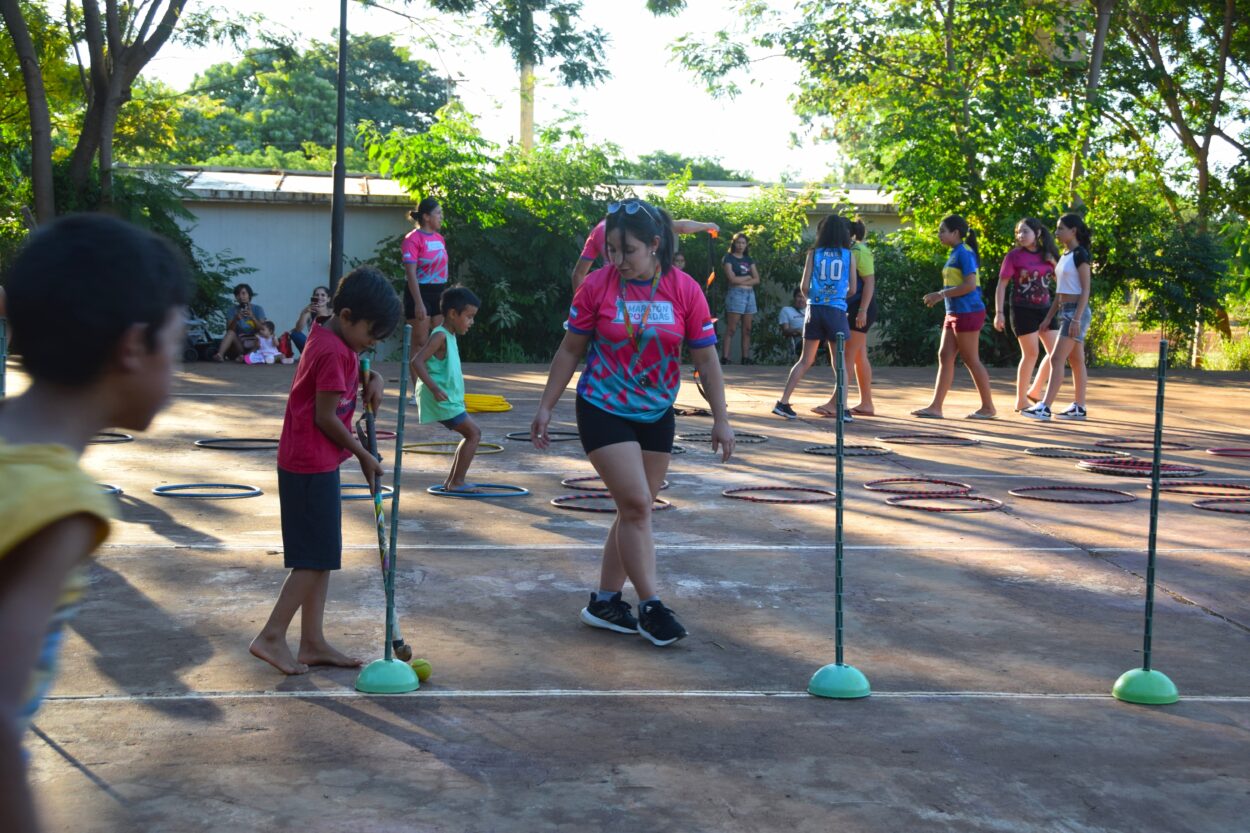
x,y
527,107
37,107
1104,9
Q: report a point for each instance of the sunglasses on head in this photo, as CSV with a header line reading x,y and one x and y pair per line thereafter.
x,y
631,207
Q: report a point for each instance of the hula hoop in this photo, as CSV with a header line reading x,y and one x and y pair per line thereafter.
x,y
239,444
677,449
1183,488
927,439
1026,492
178,490
743,437
883,486
1147,445
569,502
357,487
1215,504
450,446
1072,453
495,490
1231,451
682,410
110,437
575,483
1138,468
384,435
110,489
826,495
848,450
553,436
985,504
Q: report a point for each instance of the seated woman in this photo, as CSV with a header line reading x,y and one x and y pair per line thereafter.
x,y
241,325
318,308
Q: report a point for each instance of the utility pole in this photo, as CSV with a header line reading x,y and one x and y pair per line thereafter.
x,y
337,206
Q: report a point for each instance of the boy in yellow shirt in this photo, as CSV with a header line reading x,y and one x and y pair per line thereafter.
x,y
120,291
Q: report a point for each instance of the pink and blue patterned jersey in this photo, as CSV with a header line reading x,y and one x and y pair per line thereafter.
x,y
638,384
428,251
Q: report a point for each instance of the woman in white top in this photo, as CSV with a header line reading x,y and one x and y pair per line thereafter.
x,y
1071,305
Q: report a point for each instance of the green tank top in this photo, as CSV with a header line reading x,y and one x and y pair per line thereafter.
x,y
446,374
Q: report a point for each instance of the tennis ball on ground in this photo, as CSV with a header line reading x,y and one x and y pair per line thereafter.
x,y
423,669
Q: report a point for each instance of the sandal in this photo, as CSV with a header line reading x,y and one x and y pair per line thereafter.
x,y
923,414
823,411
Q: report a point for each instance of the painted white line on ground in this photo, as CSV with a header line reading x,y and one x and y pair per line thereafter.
x,y
558,693
598,545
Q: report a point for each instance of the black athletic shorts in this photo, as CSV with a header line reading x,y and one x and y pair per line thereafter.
x,y
852,312
431,299
599,428
1026,320
312,529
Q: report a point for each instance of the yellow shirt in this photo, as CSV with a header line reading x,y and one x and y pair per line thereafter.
x,y
42,484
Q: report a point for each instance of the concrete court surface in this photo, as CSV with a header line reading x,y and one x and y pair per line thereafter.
x,y
991,639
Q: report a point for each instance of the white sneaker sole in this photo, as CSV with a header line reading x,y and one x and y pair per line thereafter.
x,y
659,643
595,622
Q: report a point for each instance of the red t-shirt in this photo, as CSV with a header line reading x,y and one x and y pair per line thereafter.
x,y
1030,274
596,241
327,364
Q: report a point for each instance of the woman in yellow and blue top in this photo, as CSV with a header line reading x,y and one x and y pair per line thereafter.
x,y
965,315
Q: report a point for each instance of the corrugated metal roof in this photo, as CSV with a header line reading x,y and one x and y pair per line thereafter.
x,y
245,185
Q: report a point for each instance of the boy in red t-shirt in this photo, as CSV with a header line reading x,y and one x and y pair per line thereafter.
x,y
316,439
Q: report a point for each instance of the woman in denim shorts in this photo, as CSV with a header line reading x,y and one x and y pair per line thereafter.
x,y
1071,308
740,306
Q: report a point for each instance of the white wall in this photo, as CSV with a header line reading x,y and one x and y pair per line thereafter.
x,y
288,244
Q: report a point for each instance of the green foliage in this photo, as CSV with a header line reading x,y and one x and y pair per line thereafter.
x,y
907,265
277,100
1232,354
663,165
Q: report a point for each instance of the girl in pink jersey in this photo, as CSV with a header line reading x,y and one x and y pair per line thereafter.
x,y
634,315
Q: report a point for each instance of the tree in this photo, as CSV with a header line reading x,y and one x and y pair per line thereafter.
x,y
279,99
663,165
950,100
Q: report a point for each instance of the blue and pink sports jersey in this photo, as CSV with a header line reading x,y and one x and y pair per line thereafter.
x,y
596,242
638,384
428,250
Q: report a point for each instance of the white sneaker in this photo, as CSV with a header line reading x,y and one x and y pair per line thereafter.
x,y
412,398
1038,411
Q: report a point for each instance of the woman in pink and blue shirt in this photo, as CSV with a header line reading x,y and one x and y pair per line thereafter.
x,y
631,318
425,271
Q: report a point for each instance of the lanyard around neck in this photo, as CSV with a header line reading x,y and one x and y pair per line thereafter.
x,y
636,340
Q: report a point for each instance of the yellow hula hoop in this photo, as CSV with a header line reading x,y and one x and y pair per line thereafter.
x,y
448,447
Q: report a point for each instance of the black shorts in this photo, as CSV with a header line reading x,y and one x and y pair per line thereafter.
x,y
312,527
852,311
431,299
1026,320
598,428
824,323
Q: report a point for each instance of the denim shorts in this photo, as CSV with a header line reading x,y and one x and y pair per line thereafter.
x,y
740,300
1066,312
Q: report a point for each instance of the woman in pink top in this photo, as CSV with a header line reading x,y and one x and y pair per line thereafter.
x,y
1028,271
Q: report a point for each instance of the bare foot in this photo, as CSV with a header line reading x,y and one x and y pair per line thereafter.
x,y
863,410
926,413
277,653
323,654
463,488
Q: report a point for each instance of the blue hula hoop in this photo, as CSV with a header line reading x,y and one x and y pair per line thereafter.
x,y
499,490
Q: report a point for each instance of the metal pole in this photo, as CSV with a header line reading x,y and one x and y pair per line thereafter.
x,y
4,351
837,529
340,167
1154,507
397,468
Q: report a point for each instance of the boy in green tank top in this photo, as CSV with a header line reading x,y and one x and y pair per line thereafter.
x,y
440,393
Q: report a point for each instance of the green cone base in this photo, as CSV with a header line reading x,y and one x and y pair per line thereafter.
x,y
387,677
1146,688
841,682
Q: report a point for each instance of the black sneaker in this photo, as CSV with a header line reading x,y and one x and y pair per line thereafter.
x,y
1074,411
783,409
658,624
611,615
847,416
1038,411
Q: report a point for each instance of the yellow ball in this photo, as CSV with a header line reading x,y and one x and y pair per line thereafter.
x,y
423,669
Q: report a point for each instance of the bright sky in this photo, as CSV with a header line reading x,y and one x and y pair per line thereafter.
x,y
649,104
